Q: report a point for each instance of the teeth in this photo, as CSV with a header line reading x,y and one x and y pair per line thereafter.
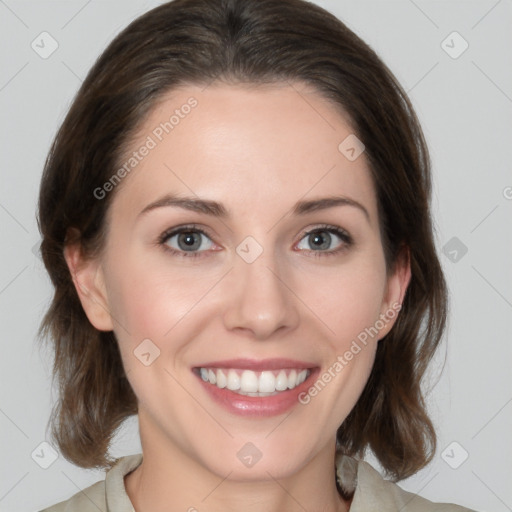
x,y
233,381
292,379
281,381
267,382
222,380
247,382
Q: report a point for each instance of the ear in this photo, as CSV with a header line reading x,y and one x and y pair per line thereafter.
x,y
397,284
87,275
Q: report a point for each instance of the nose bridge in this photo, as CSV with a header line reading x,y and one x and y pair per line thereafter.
x,y
260,302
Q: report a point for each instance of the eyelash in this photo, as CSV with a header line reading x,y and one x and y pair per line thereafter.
x,y
166,235
335,230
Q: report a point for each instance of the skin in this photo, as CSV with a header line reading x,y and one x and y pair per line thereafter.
x,y
257,151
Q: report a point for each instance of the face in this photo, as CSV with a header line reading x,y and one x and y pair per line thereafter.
x,y
244,277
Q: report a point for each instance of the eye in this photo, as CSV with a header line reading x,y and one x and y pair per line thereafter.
x,y
325,239
187,240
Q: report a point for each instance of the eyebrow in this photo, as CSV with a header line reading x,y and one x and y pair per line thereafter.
x,y
304,207
188,203
216,209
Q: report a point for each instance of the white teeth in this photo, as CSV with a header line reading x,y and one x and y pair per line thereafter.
x,y
222,380
267,382
292,379
233,380
247,382
281,381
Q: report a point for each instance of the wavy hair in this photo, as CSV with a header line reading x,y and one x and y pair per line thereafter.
x,y
256,42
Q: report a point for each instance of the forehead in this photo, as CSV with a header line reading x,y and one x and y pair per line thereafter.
x,y
245,146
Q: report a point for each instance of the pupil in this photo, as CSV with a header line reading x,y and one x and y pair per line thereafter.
x,y
320,240
189,240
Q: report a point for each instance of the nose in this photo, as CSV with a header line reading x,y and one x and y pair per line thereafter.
x,y
260,301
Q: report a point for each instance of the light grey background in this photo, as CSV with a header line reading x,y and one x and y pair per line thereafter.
x,y
465,106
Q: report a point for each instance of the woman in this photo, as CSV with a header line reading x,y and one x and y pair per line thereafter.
x,y
235,217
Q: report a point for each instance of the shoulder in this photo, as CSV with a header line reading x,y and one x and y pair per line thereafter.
x,y
391,496
373,493
91,499
110,491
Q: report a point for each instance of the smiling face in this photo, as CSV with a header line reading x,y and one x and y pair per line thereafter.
x,y
243,251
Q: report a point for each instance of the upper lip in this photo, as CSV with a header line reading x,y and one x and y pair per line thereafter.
x,y
259,365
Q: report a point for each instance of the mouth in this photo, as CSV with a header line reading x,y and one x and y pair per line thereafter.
x,y
252,387
251,383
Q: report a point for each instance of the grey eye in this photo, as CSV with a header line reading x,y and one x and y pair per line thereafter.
x,y
189,241
320,240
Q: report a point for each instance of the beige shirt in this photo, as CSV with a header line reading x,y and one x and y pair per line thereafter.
x,y
372,492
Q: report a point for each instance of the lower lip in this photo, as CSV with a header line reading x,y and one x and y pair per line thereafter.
x,y
243,405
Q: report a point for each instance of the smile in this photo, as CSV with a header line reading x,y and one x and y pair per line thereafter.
x,y
253,383
255,388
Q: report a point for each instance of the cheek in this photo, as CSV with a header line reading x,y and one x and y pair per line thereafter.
x,y
353,301
347,300
149,299
349,305
151,308
155,302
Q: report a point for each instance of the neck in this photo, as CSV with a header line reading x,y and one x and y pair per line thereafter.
x,y
171,478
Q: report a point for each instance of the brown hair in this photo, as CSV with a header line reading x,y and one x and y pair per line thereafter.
x,y
240,41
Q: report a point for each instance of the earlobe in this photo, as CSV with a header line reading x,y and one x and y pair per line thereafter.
x,y
397,285
87,276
